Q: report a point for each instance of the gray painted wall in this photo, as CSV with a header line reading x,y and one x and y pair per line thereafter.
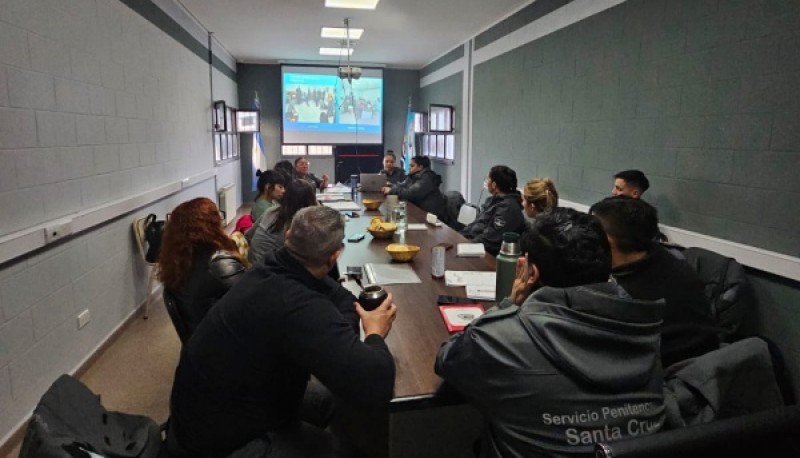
x,y
701,95
96,104
448,92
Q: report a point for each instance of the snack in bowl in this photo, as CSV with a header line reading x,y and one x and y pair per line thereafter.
x,y
371,204
380,229
402,252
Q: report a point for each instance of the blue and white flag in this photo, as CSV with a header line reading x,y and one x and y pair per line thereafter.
x,y
407,152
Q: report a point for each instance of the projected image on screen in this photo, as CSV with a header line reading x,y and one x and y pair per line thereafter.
x,y
321,108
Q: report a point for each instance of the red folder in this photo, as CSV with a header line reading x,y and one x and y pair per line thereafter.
x,y
457,316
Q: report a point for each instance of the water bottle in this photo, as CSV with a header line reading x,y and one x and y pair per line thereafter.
x,y
399,216
506,265
353,186
437,261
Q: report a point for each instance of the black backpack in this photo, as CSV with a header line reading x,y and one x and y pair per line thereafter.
x,y
69,422
153,230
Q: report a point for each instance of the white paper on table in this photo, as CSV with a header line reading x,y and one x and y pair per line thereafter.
x,y
470,250
390,274
481,292
332,197
416,227
346,206
338,188
469,277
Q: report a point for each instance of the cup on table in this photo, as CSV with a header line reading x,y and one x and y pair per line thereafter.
x,y
391,202
372,296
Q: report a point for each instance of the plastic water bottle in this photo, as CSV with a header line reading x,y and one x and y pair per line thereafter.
x,y
399,216
506,265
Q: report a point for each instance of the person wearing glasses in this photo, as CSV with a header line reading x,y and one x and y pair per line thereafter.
x,y
301,165
502,211
198,263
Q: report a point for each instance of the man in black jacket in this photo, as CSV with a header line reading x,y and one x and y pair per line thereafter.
x,y
569,359
421,188
647,271
243,374
502,211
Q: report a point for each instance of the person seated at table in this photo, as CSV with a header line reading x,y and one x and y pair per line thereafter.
x,y
502,211
569,359
631,183
286,168
301,172
197,262
647,271
538,195
421,188
241,378
270,190
393,174
267,234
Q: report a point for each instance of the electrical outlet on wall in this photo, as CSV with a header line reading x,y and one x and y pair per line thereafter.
x,y
57,230
83,318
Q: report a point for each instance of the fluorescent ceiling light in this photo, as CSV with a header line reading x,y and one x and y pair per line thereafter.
x,y
340,33
355,4
336,51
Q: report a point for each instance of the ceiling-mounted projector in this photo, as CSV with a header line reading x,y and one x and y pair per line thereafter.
x,y
350,73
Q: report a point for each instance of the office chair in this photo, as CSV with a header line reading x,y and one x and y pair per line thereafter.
x,y
772,433
173,309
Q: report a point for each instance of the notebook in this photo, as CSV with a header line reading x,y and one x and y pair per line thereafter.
x,y
372,182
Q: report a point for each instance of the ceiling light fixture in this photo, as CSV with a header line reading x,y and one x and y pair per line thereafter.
x,y
340,33
336,51
355,4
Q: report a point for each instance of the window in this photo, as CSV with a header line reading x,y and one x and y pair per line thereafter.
x,y
307,150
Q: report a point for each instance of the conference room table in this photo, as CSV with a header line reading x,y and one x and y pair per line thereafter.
x,y
418,330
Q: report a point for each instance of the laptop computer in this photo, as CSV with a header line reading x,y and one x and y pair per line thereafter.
x,y
372,182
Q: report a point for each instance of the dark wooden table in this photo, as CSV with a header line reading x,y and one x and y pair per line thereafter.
x,y
420,421
418,330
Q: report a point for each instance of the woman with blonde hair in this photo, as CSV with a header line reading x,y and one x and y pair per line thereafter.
x,y
538,195
198,262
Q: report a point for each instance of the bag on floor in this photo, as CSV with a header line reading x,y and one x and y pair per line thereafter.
x,y
70,422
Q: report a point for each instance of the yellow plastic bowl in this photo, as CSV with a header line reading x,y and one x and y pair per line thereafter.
x,y
384,233
401,252
371,204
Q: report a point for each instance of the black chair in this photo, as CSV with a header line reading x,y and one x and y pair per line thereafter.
x,y
178,321
774,433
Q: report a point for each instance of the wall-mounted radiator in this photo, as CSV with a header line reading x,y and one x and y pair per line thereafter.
x,y
227,202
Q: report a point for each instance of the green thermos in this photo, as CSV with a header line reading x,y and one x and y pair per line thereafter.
x,y
506,265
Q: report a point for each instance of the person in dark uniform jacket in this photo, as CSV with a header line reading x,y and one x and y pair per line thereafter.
x,y
647,271
242,376
502,211
421,188
392,173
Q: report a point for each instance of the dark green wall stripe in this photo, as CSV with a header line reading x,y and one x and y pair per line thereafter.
x,y
448,58
518,20
160,19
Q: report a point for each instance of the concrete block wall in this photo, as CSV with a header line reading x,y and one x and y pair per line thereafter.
x,y
97,104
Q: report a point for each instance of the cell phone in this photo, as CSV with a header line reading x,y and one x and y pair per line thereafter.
x,y
355,271
352,214
356,238
443,300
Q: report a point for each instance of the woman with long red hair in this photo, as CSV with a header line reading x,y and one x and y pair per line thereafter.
x,y
198,263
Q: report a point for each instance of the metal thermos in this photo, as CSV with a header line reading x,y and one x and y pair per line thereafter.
x,y
353,186
506,265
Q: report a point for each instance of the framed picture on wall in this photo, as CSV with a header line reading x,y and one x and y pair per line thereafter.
x,y
217,148
218,116
450,147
